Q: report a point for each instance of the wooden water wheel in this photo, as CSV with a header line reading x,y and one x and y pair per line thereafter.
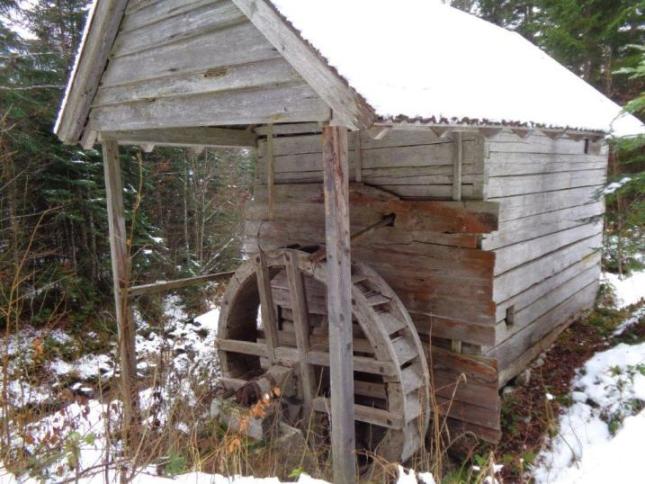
x,y
390,370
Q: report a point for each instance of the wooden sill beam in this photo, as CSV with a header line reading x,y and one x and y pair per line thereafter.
x,y
184,137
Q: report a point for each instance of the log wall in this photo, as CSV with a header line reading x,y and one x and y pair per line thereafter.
x,y
431,255
179,63
547,248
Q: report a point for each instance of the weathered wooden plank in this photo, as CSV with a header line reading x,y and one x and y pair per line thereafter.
x,y
506,186
515,255
270,72
519,279
269,322
532,312
534,143
475,368
512,348
468,332
339,300
291,129
458,164
466,412
459,429
245,44
301,151
164,286
206,137
534,164
144,12
301,326
371,415
293,103
92,61
519,230
190,23
536,291
519,206
310,143
347,105
475,394
438,216
120,259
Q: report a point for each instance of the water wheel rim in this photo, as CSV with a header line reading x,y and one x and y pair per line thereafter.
x,y
398,355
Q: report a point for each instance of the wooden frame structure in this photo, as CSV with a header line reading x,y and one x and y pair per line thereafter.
x,y
491,231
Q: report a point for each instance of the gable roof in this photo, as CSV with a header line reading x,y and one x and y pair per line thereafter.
x,y
420,60
378,60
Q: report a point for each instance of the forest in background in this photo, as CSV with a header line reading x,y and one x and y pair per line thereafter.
x,y
184,208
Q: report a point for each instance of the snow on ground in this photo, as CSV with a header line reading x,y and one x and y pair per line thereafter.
x,y
600,436
629,290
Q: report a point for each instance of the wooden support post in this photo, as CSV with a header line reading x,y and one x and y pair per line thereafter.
x,y
121,276
458,164
270,172
339,301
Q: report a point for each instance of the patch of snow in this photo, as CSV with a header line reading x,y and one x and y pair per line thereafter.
x,y
608,390
628,290
631,321
612,187
209,320
496,68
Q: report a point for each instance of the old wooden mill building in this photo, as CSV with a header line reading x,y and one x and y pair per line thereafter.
x,y
427,208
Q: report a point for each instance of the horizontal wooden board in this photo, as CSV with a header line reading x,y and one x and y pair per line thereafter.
x,y
527,315
191,23
239,44
292,103
270,72
548,182
294,145
507,164
467,332
143,12
301,201
526,228
536,291
476,369
534,143
521,278
519,206
518,254
514,347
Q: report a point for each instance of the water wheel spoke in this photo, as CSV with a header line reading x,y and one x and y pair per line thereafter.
x,y
266,303
363,413
301,327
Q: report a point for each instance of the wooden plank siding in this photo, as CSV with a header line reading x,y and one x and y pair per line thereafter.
x,y
203,63
430,256
548,244
410,164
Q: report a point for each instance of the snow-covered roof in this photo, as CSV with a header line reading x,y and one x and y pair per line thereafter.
x,y
404,61
420,60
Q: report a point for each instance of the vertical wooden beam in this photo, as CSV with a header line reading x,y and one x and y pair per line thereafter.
x,y
269,323
121,276
270,172
339,305
301,326
458,164
359,157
